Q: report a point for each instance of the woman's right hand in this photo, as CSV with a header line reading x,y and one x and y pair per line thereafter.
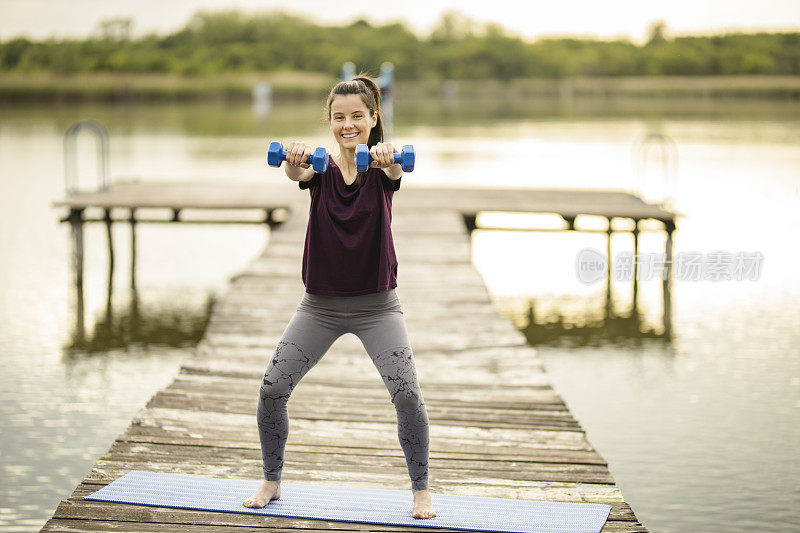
x,y
297,152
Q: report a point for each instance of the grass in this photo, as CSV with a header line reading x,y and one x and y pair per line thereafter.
x,y
296,85
151,87
640,86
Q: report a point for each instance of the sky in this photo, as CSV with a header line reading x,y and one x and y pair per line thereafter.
x,y
40,19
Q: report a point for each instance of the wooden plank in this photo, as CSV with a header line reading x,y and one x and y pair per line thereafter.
x,y
378,410
348,464
214,439
471,442
319,383
239,194
566,202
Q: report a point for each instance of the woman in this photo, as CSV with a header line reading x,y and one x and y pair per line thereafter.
x,y
350,272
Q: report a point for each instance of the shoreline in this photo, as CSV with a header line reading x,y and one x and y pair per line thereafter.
x,y
105,87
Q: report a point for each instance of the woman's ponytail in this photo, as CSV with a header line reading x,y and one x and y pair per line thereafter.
x,y
376,134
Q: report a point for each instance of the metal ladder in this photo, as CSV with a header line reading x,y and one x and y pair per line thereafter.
x,y
666,150
71,155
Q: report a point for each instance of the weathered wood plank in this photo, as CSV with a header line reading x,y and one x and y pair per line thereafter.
x,y
378,412
371,433
349,464
479,396
212,439
273,193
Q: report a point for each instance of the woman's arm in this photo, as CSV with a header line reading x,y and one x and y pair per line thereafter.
x,y
299,173
394,172
294,168
383,158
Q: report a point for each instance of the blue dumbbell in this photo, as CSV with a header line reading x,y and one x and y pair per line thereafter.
x,y
276,155
405,158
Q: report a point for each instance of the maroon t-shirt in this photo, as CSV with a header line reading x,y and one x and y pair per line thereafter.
x,y
349,248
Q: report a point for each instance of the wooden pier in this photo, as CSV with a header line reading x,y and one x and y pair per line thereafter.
x,y
232,194
497,427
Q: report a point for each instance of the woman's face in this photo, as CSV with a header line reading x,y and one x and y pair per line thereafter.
x,y
350,120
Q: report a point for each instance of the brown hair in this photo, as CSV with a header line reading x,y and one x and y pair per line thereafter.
x,y
370,94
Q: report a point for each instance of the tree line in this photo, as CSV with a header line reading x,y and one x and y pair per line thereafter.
x,y
457,48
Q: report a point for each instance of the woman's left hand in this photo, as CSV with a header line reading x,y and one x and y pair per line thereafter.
x,y
382,155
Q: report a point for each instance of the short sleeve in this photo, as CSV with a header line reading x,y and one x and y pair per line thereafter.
x,y
310,183
393,184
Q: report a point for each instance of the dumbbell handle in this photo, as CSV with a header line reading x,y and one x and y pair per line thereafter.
x,y
404,158
283,154
398,157
276,155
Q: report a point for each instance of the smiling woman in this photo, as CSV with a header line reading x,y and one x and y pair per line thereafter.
x,y
350,273
355,118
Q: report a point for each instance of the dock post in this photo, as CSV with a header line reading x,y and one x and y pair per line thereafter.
x,y
470,221
609,299
107,219
666,282
134,312
76,223
635,264
270,220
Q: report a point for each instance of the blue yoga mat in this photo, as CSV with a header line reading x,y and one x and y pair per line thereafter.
x,y
354,504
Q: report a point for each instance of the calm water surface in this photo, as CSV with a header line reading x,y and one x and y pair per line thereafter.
x,y
701,430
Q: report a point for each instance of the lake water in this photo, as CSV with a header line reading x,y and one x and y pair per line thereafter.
x,y
700,428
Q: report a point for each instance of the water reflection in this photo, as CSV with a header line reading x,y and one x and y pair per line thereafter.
x,y
137,324
305,117
570,325
176,328
582,331
143,325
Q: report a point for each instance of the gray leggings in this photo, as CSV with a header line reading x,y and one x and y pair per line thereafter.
x,y
377,320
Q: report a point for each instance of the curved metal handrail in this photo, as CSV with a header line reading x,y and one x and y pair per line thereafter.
x,y
71,158
668,151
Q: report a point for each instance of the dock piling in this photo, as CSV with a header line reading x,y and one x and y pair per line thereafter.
x,y
75,219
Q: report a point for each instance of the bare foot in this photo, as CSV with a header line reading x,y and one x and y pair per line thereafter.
x,y
423,508
268,491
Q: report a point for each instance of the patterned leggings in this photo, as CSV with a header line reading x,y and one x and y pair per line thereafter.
x,y
377,320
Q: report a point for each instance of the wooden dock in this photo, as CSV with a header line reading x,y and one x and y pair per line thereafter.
x,y
233,194
497,427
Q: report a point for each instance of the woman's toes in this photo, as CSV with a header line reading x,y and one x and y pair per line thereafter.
x,y
424,514
250,502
